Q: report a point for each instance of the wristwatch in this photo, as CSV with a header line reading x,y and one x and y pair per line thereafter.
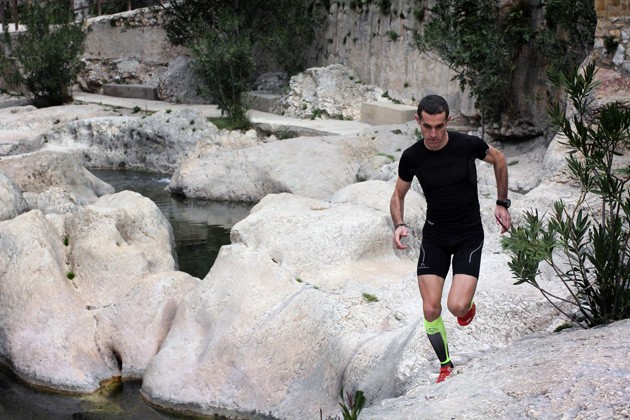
x,y
504,203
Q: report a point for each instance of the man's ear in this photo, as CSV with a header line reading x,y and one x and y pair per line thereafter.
x,y
417,118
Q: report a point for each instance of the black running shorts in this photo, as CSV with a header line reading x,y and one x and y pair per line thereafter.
x,y
440,245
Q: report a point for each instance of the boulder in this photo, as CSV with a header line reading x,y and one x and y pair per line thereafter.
x,y
88,296
180,84
333,91
575,373
20,125
54,182
155,143
311,298
310,166
12,202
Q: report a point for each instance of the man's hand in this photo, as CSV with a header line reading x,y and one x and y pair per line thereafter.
x,y
399,233
502,215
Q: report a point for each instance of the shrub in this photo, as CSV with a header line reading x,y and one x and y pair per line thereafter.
x,y
48,53
588,248
229,38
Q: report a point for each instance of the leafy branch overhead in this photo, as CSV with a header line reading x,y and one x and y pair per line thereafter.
x,y
482,40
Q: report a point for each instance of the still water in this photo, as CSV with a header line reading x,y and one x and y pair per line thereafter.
x,y
200,229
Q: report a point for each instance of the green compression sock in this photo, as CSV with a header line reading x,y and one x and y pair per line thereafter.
x,y
437,337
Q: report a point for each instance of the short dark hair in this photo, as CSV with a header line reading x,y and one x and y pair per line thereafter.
x,y
433,105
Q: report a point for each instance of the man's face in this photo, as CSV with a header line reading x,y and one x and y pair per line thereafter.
x,y
433,129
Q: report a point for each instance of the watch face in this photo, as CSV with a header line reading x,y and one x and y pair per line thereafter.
x,y
504,203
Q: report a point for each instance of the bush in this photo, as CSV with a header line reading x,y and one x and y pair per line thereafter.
x,y
223,59
48,53
588,248
228,38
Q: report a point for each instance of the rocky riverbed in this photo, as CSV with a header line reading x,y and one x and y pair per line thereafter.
x,y
90,288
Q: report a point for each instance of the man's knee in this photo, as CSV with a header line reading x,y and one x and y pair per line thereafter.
x,y
431,311
458,308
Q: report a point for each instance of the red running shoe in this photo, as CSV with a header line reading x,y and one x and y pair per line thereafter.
x,y
445,371
468,317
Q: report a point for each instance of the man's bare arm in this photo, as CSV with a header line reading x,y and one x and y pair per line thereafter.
x,y
497,159
397,211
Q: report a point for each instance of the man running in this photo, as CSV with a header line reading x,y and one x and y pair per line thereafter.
x,y
444,163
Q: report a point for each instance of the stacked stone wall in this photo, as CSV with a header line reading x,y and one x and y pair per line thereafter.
x,y
612,8
612,35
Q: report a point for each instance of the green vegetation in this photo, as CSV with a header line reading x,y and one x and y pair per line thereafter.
x,y
563,326
483,44
474,48
586,246
351,407
225,123
369,297
610,44
66,241
317,113
225,36
388,156
70,275
136,109
47,55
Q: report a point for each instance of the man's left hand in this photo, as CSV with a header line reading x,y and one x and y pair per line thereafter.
x,y
502,215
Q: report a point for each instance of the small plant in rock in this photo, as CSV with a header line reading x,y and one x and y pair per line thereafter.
x,y
370,297
70,275
351,406
393,36
610,44
587,247
136,109
317,113
66,241
388,156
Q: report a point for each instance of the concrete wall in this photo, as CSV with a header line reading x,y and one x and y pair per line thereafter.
x,y
137,34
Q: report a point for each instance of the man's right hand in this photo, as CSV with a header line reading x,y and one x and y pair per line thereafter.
x,y
399,233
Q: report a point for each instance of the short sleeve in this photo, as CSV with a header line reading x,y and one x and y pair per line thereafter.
x,y
405,168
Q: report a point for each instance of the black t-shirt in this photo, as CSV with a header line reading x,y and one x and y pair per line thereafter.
x,y
448,178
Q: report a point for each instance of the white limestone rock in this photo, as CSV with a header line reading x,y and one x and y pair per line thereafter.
x,y
155,143
309,166
87,296
333,91
311,297
575,373
12,202
54,182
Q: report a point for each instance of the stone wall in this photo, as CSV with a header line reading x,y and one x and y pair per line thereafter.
x,y
612,34
612,8
378,47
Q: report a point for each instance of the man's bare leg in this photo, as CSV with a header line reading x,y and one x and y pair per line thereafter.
x,y
460,297
461,294
431,287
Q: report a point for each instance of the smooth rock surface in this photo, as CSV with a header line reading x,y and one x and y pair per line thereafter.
x,y
87,296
